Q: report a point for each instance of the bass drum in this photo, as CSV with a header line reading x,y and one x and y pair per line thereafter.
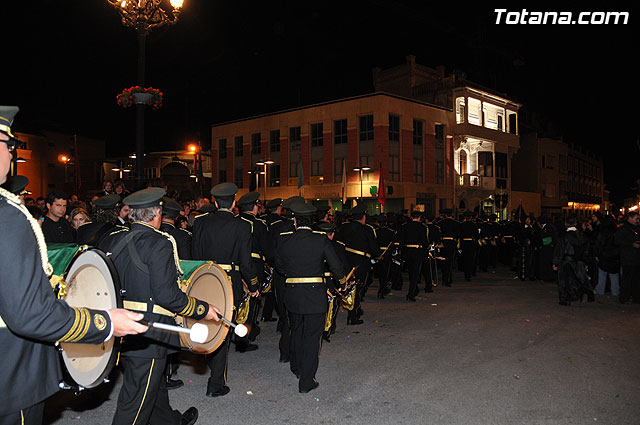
x,y
207,282
90,281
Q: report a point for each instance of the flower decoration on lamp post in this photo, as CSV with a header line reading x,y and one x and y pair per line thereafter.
x,y
140,95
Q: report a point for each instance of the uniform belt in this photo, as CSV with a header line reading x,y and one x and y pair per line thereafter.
x,y
305,280
467,239
507,236
229,267
355,251
258,256
413,246
447,238
144,307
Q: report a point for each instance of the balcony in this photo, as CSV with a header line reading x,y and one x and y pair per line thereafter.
x,y
476,181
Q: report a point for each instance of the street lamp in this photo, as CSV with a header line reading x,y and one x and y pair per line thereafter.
x,y
361,169
65,160
196,150
265,164
143,16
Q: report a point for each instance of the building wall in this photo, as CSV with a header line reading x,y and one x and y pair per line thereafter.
x,y
378,105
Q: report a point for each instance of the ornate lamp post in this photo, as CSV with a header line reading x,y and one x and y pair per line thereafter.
x,y
143,16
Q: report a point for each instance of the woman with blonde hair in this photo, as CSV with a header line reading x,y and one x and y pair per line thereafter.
x,y
78,217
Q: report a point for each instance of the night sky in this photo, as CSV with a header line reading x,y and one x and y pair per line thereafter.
x,y
66,60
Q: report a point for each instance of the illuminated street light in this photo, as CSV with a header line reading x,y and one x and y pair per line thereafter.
x,y
361,169
265,164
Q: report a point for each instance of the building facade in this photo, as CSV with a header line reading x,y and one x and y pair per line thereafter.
x,y
569,180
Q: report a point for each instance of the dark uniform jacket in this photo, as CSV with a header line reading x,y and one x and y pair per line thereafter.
x,y
154,291
92,233
31,318
413,241
220,237
302,254
259,237
360,244
449,228
182,238
58,231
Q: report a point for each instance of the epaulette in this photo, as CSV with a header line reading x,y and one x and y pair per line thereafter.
x,y
186,231
372,228
319,232
201,215
84,224
248,221
263,221
341,243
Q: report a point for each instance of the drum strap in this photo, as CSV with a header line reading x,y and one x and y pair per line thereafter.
x,y
127,242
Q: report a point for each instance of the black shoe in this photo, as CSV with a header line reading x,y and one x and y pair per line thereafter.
x,y
189,417
326,337
172,384
412,299
283,359
316,384
243,348
219,392
354,321
269,319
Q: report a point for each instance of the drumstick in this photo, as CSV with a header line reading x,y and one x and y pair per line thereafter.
x,y
240,330
198,332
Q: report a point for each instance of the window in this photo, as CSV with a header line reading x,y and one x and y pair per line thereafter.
x,y
485,164
549,190
238,146
493,116
462,162
460,106
394,168
439,133
316,135
274,174
475,111
222,176
501,165
512,119
439,172
316,168
394,128
294,138
340,132
238,177
256,145
222,148
417,170
366,127
274,141
418,133
293,169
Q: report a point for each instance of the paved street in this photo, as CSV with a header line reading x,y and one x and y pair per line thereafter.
x,y
491,351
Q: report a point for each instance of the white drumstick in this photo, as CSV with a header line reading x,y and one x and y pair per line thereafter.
x,y
240,330
198,332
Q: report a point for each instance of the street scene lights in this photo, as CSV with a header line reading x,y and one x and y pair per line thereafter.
x,y
143,16
360,169
265,163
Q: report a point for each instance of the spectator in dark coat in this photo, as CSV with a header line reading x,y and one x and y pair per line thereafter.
x,y
627,237
569,260
607,256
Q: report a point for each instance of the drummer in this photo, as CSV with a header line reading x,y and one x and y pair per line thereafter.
x,y
31,318
149,269
102,221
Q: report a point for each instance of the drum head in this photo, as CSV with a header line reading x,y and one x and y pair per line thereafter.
x,y
209,283
92,282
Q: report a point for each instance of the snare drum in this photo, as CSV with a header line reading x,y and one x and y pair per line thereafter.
x,y
90,280
207,282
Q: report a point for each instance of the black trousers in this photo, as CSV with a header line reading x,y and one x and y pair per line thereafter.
x,y
383,273
283,321
269,304
630,283
448,252
468,257
414,266
30,416
306,334
144,398
217,362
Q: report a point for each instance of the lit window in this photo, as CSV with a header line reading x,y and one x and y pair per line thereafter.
x,y
475,111
460,107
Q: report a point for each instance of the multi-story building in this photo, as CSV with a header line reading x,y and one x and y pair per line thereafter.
x,y
569,180
440,142
484,131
